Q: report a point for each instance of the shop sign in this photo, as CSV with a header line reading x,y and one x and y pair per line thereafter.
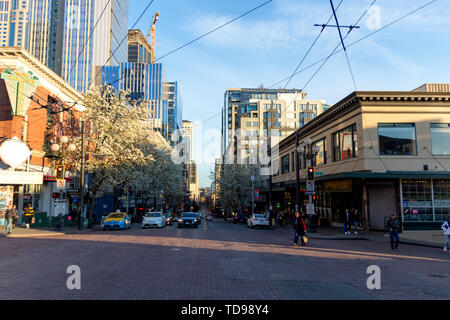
x,y
14,152
338,186
20,85
21,178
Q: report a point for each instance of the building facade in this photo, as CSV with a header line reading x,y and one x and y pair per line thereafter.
x,y
25,86
70,37
380,153
147,84
247,113
191,176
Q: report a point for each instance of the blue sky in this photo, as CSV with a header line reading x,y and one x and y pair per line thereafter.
x,y
267,45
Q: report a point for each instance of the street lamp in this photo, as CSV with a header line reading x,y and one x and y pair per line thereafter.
x,y
64,140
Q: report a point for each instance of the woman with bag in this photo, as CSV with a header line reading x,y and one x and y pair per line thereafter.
x,y
299,230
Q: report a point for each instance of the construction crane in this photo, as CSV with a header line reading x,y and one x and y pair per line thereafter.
x,y
152,34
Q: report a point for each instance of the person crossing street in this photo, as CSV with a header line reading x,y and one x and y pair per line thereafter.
x,y
393,226
446,228
299,229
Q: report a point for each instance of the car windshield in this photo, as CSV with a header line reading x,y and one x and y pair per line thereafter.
x,y
153,215
259,216
116,216
189,215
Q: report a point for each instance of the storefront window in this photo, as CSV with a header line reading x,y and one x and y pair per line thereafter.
x,y
345,144
440,138
418,205
285,165
397,139
321,157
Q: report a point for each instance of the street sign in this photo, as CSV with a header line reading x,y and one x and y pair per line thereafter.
x,y
310,186
253,178
60,184
320,173
310,209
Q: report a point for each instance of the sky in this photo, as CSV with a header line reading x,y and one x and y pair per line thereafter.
x,y
266,46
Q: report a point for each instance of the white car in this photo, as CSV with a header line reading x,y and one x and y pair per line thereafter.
x,y
154,219
258,220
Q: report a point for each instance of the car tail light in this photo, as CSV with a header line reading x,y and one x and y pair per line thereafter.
x,y
255,219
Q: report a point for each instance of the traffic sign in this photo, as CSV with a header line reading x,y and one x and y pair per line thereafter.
x,y
310,186
310,209
60,184
320,173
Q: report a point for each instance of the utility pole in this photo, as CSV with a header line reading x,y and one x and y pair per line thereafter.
x,y
80,222
297,173
253,194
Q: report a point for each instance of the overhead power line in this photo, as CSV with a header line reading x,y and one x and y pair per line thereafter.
x,y
310,48
120,44
214,30
359,40
87,40
202,36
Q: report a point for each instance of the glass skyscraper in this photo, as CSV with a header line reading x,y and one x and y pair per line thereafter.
x,y
61,34
148,84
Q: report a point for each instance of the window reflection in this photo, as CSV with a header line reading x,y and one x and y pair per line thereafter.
x,y
397,138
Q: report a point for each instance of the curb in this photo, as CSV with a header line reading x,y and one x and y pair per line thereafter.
x,y
407,242
37,235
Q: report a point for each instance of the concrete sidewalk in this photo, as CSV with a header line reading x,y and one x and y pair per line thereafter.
x,y
428,238
21,232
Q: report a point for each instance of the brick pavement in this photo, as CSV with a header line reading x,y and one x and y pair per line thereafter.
x,y
225,261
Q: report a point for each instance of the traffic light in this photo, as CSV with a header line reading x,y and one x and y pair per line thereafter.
x,y
55,195
60,172
311,174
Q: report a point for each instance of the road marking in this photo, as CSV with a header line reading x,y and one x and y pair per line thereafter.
x,y
205,227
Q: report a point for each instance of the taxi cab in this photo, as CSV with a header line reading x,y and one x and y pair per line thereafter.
x,y
116,221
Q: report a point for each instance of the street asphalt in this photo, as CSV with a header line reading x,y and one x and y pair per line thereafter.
x,y
218,261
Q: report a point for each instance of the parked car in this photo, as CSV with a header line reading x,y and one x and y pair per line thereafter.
x,y
116,221
169,219
258,220
153,219
209,217
189,219
240,218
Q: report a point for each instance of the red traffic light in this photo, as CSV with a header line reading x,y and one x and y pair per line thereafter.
x,y
311,174
55,195
60,172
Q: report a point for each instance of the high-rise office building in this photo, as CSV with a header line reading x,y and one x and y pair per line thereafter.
x,y
139,49
191,177
280,112
188,134
71,37
175,107
148,84
13,22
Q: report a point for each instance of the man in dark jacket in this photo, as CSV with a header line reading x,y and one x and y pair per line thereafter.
x,y
347,221
299,229
393,226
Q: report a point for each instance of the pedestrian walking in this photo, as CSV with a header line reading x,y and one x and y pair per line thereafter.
x,y
347,222
446,228
355,219
9,217
299,229
393,226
